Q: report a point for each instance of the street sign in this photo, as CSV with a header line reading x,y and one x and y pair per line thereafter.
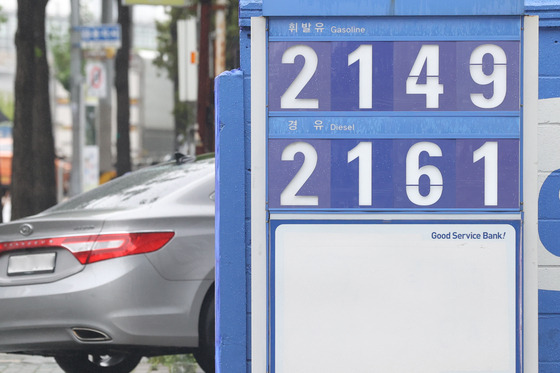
x,y
100,36
96,75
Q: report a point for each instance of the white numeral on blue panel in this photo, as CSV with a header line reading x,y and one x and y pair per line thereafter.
x,y
414,172
289,98
427,56
363,153
498,77
364,55
489,151
289,194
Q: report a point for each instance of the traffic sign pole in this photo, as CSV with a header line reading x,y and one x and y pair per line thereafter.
x,y
78,113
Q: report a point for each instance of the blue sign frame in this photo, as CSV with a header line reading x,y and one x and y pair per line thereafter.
x,y
324,134
100,36
391,8
325,106
243,232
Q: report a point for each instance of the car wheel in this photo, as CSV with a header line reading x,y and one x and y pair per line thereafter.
x,y
97,363
204,355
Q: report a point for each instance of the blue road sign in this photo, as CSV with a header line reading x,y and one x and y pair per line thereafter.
x,y
100,36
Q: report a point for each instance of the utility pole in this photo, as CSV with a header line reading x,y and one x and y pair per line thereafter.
x,y
105,103
76,98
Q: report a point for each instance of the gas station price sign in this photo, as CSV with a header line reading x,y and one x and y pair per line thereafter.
x,y
394,76
393,114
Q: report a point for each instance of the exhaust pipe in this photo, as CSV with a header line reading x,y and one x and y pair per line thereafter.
x,y
90,335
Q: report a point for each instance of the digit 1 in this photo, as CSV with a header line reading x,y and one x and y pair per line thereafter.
x,y
363,55
489,151
363,153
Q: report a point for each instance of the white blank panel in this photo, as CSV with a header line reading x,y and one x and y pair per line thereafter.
x,y
390,298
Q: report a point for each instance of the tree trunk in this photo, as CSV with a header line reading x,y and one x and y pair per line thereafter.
x,y
205,129
33,174
123,95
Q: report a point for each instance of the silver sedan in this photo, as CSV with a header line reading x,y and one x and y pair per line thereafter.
x,y
123,271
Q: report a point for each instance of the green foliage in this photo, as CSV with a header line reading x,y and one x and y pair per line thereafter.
x,y
184,112
166,59
167,40
175,363
60,47
59,43
167,37
38,52
2,16
7,105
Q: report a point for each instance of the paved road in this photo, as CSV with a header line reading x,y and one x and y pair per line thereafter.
x,y
38,364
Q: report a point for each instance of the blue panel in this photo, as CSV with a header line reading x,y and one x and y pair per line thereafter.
x,y
326,113
231,311
549,87
549,69
547,10
398,126
549,367
549,214
248,9
549,52
334,83
549,331
549,337
391,7
410,28
462,183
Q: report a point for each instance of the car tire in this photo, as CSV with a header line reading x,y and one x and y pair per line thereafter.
x,y
97,363
205,354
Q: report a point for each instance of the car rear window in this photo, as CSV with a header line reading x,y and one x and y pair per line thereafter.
x,y
140,187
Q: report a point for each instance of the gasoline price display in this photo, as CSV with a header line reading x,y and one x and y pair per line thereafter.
x,y
394,76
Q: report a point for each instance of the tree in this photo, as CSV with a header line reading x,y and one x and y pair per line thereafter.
x,y
2,16
123,95
183,112
168,60
33,169
59,43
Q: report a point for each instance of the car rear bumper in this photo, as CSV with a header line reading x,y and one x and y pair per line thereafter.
x,y
125,299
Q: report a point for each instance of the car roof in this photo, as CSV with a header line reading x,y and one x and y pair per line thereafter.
x,y
141,187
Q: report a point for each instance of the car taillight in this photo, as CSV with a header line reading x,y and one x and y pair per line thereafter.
x,y
94,248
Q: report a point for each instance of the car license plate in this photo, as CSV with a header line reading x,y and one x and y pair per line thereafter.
x,y
31,264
